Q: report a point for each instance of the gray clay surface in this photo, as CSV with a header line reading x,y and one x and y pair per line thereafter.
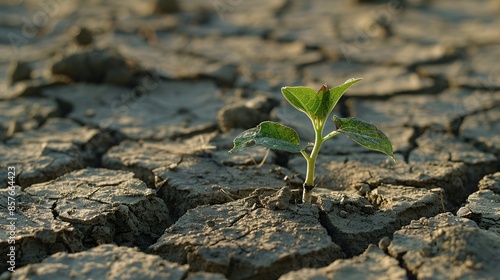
x,y
383,80
24,114
187,175
372,264
103,262
98,66
483,206
91,142
118,117
438,147
38,162
426,247
491,182
355,221
106,206
482,129
246,239
38,233
148,113
83,209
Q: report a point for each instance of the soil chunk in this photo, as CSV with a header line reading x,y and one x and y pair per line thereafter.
x,y
372,264
26,113
239,116
248,244
90,142
37,232
433,146
147,113
97,66
245,114
38,162
355,222
83,36
483,206
103,262
447,246
491,182
105,206
482,129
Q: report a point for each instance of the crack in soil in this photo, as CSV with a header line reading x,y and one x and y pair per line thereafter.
x,y
334,234
237,219
402,264
55,214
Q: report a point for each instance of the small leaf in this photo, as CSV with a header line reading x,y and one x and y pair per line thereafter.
x,y
335,93
365,134
270,135
303,99
316,104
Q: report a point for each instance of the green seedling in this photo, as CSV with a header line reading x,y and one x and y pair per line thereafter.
x,y
317,106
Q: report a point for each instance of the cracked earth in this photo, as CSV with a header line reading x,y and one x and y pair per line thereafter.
x,y
117,117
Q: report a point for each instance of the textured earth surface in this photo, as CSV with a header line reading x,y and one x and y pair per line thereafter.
x,y
116,118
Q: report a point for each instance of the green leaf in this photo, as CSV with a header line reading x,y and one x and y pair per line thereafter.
x,y
316,104
365,134
270,135
335,93
303,99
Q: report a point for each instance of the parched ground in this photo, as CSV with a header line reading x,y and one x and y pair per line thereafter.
x,y
117,117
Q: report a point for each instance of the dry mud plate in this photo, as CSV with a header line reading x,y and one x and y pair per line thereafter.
x,y
116,119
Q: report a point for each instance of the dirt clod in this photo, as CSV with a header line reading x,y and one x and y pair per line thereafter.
x,y
354,228
426,247
18,71
243,244
372,264
105,206
83,36
103,262
97,66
